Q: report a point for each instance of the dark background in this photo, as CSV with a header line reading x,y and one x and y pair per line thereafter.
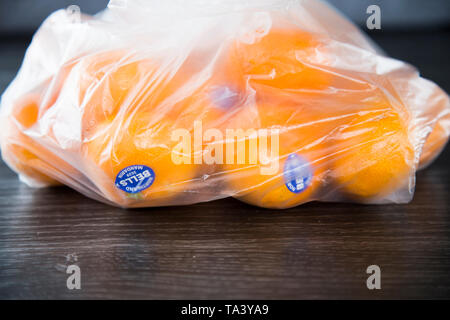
x,y
226,249
24,16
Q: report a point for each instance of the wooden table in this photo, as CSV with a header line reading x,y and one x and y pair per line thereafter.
x,y
226,249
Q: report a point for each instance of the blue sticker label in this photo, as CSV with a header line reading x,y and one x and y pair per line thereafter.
x,y
134,179
297,173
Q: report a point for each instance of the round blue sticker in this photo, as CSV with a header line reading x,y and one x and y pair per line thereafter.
x,y
134,179
297,173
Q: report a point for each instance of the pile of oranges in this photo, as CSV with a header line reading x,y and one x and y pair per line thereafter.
x,y
337,138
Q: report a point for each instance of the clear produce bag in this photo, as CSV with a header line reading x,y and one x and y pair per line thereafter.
x,y
275,103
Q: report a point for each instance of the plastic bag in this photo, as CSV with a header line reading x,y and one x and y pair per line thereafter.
x,y
275,103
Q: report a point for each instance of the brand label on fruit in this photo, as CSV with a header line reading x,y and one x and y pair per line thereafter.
x,y
297,173
134,179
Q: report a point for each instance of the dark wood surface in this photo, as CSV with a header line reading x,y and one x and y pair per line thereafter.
x,y
226,249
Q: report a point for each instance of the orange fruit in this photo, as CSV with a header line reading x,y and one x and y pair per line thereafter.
x,y
282,59
282,84
373,156
26,109
137,141
16,152
130,109
296,182
291,176
36,164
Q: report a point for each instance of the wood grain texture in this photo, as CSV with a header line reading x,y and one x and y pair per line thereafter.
x,y
223,249
226,249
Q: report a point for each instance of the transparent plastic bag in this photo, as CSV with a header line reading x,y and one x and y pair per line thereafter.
x,y
275,103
